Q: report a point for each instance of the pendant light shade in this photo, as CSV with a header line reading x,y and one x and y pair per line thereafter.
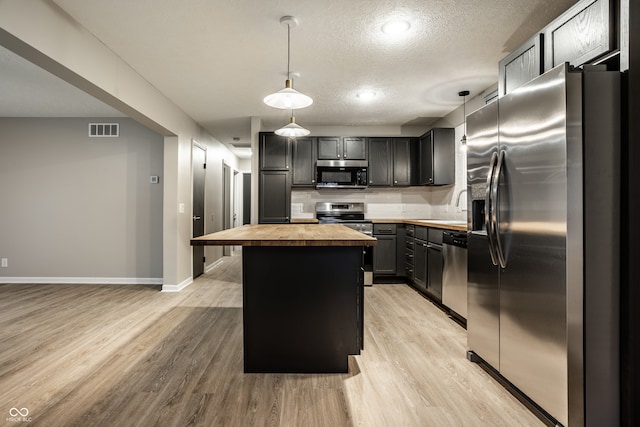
x,y
288,98
464,93
292,130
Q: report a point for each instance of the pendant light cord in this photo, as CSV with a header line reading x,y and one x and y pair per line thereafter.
x,y
288,51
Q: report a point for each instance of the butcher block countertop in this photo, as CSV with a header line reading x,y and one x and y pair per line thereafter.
x,y
287,235
435,223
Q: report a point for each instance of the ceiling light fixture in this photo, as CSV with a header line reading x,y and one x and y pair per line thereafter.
x,y
292,130
396,27
288,98
464,94
366,95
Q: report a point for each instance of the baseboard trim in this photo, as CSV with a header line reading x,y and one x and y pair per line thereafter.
x,y
180,286
82,280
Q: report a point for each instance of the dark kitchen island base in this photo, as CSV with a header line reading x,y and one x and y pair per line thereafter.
x,y
302,308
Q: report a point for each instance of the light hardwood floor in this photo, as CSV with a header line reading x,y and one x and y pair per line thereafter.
x,y
77,355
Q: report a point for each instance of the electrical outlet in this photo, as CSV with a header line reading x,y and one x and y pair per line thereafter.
x,y
5,262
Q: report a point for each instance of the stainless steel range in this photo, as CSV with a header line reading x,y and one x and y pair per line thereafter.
x,y
350,215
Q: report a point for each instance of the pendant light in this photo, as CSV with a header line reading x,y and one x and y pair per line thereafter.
x,y
293,129
288,98
464,94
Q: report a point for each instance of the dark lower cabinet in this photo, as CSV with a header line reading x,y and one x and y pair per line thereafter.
x,y
435,263
428,261
420,278
384,253
275,197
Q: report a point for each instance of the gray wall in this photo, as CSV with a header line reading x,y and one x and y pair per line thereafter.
x,y
75,208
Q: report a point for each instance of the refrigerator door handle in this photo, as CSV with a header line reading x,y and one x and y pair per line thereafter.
x,y
495,216
488,210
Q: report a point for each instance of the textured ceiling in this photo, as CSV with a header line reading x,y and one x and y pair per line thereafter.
x,y
217,59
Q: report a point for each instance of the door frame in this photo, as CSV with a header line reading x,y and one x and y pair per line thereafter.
x,y
198,198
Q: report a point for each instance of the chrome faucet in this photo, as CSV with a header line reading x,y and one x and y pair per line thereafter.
x,y
460,194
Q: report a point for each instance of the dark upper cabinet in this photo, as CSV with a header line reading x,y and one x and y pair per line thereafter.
x,y
329,148
521,65
404,161
354,148
437,157
581,35
585,33
275,152
392,161
341,148
304,162
274,197
380,162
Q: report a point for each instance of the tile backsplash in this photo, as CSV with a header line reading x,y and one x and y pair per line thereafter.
x,y
400,202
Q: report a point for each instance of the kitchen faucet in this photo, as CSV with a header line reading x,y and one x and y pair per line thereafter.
x,y
460,194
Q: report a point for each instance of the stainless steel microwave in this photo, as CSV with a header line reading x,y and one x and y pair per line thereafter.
x,y
341,174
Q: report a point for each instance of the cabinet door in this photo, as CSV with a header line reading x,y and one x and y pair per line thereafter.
x,y
380,162
426,158
420,278
402,162
275,197
583,33
521,66
329,148
384,255
275,152
354,148
304,160
444,156
435,263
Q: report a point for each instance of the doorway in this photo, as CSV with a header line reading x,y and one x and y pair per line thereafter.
x,y
226,203
198,158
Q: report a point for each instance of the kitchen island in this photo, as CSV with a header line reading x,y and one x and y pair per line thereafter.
x,y
302,294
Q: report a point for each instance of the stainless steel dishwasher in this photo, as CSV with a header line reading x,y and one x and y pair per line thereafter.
x,y
454,275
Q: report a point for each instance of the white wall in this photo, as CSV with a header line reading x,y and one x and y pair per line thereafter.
x,y
80,209
43,34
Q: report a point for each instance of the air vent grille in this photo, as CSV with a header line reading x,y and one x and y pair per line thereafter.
x,y
101,130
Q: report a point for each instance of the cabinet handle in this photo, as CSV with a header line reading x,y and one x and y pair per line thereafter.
x,y
395,182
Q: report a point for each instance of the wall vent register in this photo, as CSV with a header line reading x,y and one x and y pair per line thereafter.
x,y
99,130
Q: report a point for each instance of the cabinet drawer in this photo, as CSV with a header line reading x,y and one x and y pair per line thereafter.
x,y
411,230
435,236
408,243
408,271
384,229
408,256
422,233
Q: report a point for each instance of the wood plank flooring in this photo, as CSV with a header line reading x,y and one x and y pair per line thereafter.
x,y
99,355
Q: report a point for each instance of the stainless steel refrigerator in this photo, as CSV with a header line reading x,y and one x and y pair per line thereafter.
x,y
543,180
